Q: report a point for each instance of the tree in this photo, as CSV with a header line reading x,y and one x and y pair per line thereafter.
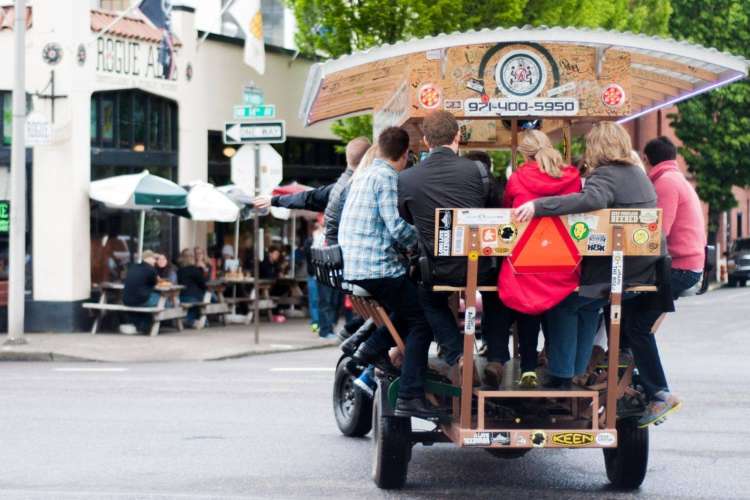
x,y
714,128
332,28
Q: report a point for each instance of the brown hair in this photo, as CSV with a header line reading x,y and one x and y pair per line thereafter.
x,y
393,142
535,144
187,258
608,143
439,128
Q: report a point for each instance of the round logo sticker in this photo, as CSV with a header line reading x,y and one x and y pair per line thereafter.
x,y
520,74
613,95
640,236
429,96
579,231
507,233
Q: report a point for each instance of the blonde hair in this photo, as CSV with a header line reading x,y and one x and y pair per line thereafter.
x,y
608,143
535,144
187,258
635,159
367,160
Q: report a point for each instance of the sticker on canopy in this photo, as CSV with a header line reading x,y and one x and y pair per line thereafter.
x,y
520,73
617,271
445,219
521,440
597,243
482,217
579,231
475,85
640,237
434,54
429,96
470,321
613,95
453,105
444,243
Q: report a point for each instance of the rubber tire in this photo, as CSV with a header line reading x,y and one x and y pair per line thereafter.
x,y
358,421
391,449
627,464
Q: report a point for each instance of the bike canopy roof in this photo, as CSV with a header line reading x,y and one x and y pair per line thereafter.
x,y
493,79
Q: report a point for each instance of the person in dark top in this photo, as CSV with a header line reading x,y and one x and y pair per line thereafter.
x,y
269,268
446,180
164,269
192,278
140,282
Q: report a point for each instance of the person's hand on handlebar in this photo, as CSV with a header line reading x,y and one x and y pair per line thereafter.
x,y
262,202
525,212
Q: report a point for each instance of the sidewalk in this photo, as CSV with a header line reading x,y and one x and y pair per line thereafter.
x,y
209,344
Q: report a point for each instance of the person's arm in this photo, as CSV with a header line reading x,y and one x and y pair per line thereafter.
x,y
200,279
152,278
598,193
314,200
403,201
386,195
668,200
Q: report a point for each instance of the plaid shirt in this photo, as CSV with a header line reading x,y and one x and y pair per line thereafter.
x,y
370,226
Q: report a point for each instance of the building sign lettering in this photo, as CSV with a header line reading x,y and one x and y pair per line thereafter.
x,y
129,58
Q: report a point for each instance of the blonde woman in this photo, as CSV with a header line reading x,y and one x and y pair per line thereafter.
x,y
614,182
528,296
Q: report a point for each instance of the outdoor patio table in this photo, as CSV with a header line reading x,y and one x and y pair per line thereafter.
x,y
253,290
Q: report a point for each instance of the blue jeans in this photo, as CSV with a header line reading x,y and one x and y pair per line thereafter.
x,y
312,300
193,313
637,321
329,303
572,327
153,300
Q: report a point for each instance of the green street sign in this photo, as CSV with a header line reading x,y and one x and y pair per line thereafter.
x,y
265,111
252,96
4,216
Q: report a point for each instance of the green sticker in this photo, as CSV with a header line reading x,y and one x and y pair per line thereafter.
x,y
579,231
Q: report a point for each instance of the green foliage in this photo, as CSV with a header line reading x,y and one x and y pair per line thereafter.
x,y
351,128
714,128
332,28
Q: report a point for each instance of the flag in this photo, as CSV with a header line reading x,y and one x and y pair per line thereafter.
x,y
166,55
157,11
248,17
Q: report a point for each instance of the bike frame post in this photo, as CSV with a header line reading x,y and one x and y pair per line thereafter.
x,y
618,265
467,374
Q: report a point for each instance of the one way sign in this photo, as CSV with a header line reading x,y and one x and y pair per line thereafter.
x,y
269,132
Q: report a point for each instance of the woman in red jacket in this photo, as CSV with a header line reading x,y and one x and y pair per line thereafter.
x,y
530,295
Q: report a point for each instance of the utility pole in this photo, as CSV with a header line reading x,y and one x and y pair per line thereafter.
x,y
17,244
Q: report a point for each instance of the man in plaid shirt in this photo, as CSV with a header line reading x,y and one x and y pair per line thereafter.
x,y
370,232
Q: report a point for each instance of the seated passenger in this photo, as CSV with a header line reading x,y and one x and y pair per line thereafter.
x,y
542,174
684,228
613,183
443,180
140,281
369,231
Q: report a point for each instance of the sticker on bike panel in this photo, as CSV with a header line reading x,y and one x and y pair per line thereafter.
x,y
444,243
573,439
473,255
617,271
470,320
597,243
478,439
640,236
538,439
458,241
501,438
615,312
624,217
579,230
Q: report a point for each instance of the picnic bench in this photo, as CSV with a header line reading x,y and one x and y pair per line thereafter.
x,y
163,311
208,306
261,291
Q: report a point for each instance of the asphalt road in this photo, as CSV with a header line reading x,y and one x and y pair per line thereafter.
x,y
262,427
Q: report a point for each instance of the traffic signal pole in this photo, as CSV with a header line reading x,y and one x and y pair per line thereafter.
x,y
17,231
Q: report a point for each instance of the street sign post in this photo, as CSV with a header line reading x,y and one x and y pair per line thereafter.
x,y
255,132
265,111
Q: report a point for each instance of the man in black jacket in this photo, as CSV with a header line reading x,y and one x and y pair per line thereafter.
x,y
446,180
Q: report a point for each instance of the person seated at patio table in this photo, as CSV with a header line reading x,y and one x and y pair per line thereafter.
x,y
140,282
614,182
165,269
201,260
192,278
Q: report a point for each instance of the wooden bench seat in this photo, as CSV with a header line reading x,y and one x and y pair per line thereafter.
x,y
446,288
121,307
158,314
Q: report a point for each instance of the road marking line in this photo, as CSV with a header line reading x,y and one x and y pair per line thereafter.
x,y
79,369
282,346
303,369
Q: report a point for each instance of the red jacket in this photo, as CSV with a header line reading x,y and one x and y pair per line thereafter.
x,y
535,293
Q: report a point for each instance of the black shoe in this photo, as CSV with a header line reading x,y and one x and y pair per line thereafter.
x,y
559,383
365,356
355,340
419,408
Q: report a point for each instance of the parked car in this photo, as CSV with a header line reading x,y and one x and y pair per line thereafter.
x,y
738,262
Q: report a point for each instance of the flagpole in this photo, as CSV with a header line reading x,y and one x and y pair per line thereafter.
x,y
208,32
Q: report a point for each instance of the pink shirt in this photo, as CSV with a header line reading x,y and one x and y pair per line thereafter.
x,y
682,216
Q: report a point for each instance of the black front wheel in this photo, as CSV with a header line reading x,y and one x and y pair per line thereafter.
x,y
392,448
351,407
626,465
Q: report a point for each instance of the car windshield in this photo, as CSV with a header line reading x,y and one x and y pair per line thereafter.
x,y
742,245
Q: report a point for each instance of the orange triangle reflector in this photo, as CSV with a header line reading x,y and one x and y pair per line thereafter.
x,y
545,246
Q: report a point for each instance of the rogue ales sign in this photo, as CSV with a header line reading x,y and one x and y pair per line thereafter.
x,y
129,59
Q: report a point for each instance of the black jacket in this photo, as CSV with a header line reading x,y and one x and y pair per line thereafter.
x,y
446,180
314,199
194,281
335,206
139,283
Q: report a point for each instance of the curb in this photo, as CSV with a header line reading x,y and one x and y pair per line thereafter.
x,y
22,356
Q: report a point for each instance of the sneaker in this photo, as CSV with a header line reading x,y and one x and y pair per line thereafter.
x,y
657,410
314,328
418,408
366,383
128,329
328,336
493,374
558,383
529,380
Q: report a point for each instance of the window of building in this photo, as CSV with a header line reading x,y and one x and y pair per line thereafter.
x,y
117,5
6,108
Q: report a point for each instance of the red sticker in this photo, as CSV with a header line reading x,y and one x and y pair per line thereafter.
x,y
613,95
652,227
487,251
429,96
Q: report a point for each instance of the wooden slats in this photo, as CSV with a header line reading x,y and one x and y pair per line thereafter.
x,y
675,66
650,76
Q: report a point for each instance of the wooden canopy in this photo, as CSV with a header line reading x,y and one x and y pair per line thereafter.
x,y
555,74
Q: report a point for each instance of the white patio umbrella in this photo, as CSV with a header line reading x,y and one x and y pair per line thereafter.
x,y
244,201
138,192
206,202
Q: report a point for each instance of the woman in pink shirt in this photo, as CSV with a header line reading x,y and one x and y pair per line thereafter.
x,y
684,229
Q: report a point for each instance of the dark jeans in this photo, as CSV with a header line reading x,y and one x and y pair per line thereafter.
x,y
193,313
637,321
399,297
497,318
329,303
443,324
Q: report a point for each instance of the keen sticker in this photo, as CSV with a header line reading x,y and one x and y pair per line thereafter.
x,y
507,233
640,237
470,320
538,439
597,243
478,439
572,439
579,231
